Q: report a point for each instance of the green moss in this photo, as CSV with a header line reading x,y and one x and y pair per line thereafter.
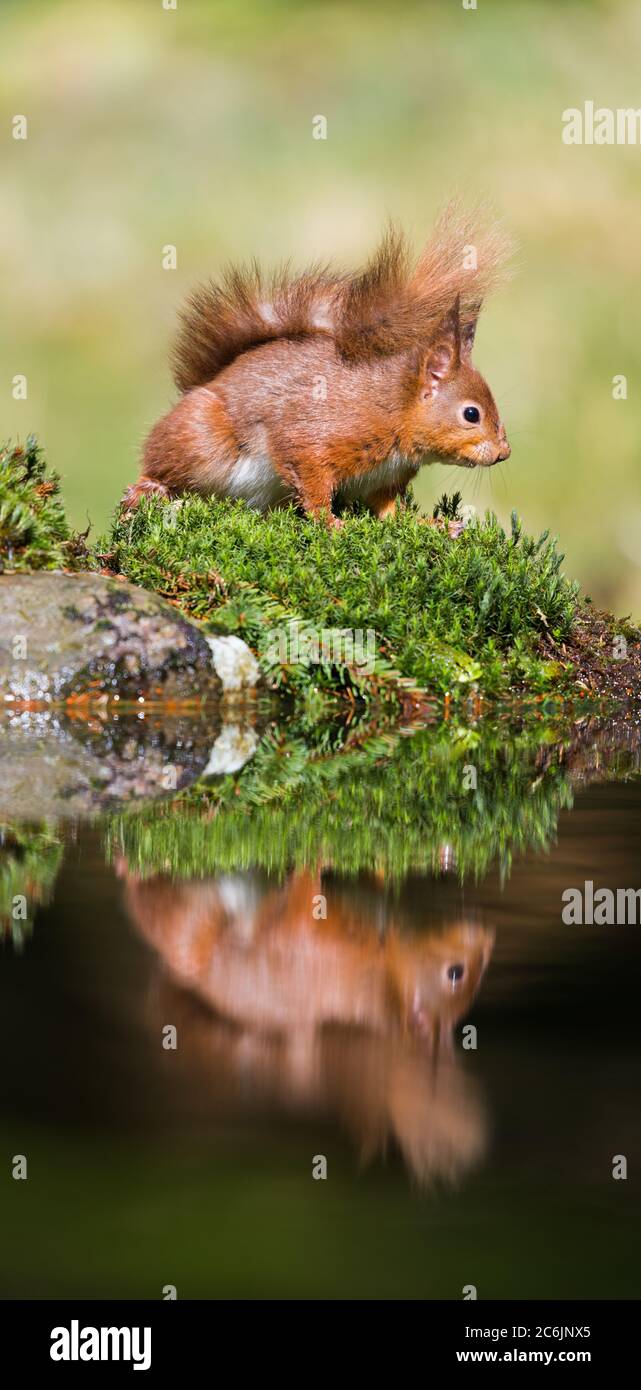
x,y
374,610
33,528
445,611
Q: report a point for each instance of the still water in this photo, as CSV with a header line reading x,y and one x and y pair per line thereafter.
x,y
318,959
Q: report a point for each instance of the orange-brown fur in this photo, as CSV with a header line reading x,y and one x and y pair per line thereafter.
x,y
318,386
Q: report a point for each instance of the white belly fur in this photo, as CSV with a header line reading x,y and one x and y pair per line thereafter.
x,y
254,479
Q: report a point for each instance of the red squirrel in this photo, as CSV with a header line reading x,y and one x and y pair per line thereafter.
x,y
323,386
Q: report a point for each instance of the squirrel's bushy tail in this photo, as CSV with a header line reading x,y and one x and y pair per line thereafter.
x,y
397,302
391,306
219,322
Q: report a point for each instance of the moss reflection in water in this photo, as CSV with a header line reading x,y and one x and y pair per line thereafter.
x,y
391,803
30,857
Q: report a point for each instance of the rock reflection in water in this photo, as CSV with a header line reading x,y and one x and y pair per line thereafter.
x,y
352,1014
64,764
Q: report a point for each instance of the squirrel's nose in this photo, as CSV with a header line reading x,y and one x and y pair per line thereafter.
x,y
504,448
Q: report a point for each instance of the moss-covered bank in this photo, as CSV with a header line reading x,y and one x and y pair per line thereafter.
x,y
438,606
376,610
443,612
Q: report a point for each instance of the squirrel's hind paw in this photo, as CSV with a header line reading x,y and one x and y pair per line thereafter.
x,y
145,487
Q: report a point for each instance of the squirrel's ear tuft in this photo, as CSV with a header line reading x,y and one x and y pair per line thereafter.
x,y
468,329
443,355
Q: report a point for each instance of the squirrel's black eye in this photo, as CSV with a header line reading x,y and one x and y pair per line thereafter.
x,y
471,414
455,972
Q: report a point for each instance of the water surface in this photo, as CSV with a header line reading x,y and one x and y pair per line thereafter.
x,y
320,975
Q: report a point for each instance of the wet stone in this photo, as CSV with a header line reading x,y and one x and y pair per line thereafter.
x,y
63,635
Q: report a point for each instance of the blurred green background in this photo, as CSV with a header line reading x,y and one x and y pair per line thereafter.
x,y
194,127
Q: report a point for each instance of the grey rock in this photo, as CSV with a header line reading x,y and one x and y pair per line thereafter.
x,y
64,634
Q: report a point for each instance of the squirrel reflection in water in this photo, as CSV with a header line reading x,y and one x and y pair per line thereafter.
x,y
323,998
